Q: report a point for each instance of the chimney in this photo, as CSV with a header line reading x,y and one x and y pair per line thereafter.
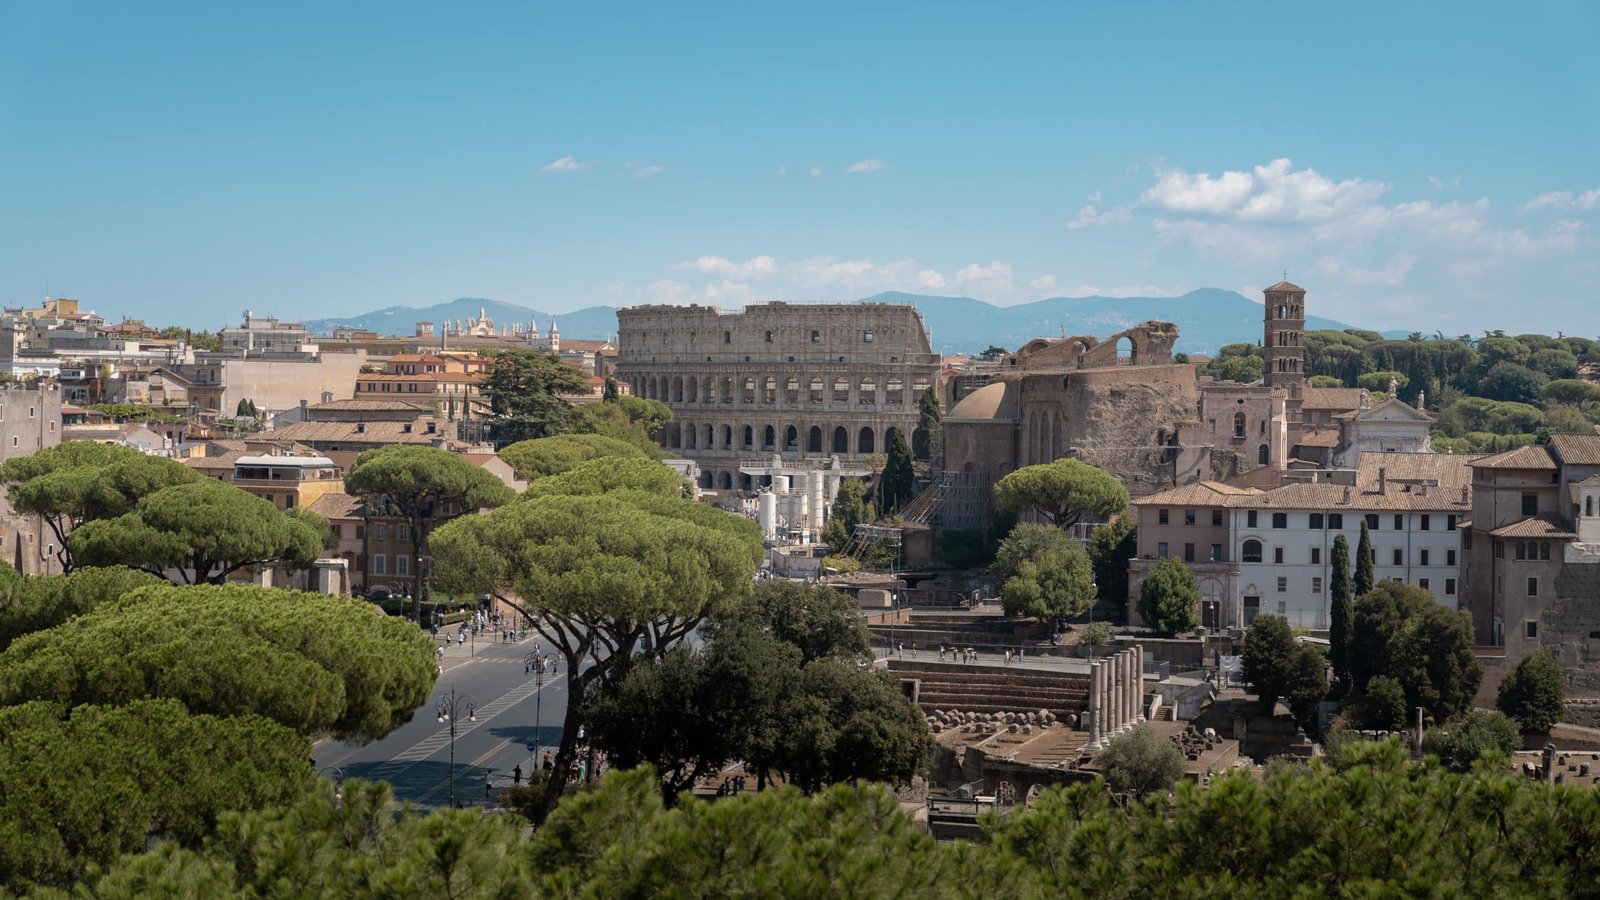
x,y
1346,500
1466,493
1383,480
361,428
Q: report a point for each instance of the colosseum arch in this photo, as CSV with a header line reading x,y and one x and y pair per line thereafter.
x,y
677,389
888,437
814,440
791,390
869,391
691,435
749,395
894,391
841,440
815,391
769,390
919,386
691,389
725,480
727,390
749,437
841,390
865,442
769,438
727,437
710,442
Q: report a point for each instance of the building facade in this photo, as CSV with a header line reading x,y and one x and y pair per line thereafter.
x,y
777,378
30,421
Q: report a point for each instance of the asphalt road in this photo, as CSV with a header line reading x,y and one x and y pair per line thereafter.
x,y
415,758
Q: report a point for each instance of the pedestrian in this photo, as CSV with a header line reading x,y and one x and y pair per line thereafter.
x,y
488,788
900,648
516,775
941,653
549,761
461,638
1008,657
913,649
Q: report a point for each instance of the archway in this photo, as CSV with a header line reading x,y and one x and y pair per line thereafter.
x,y
815,390
1263,455
769,438
865,442
769,392
868,396
707,481
791,440
791,390
814,440
727,480
677,390
749,437
1127,351
841,440
692,390
727,437
888,437
841,390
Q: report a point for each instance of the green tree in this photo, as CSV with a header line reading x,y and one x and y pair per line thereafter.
x,y
82,481
1385,705
90,785
992,352
202,533
1534,693
1307,686
553,455
1268,657
633,420
1567,420
318,664
1169,599
1379,381
1240,369
1050,586
1098,634
1364,562
611,393
599,574
604,474
930,422
1342,615
1140,763
1111,547
426,486
1479,735
1402,632
1064,492
524,389
1026,541
898,475
1511,383
1573,391
852,506
817,620
34,604
848,724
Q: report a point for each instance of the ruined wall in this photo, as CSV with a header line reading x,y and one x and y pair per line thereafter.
x,y
1126,421
1570,627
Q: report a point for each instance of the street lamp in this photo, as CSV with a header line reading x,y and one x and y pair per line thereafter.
x,y
449,712
532,665
336,775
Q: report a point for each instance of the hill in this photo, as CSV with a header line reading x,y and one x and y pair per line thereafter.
x,y
1207,318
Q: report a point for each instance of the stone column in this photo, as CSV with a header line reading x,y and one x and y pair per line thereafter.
x,y
1096,712
1126,660
1114,694
1138,651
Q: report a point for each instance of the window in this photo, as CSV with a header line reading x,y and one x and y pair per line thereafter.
x,y
1449,523
1449,557
1399,522
402,532
380,531
377,564
1372,521
1283,584
1399,556
402,564
1533,587
1422,522
868,337
1449,587
1544,549
1216,553
1316,584
1530,629
1280,520
1316,556
1277,555
1336,521
1530,504
1238,425
1422,583
1161,550
1188,553
1499,549
816,336
727,337
1422,557
1316,521
1252,608
1522,550
1250,519
1161,517
1216,518
1188,517
1263,455
1252,551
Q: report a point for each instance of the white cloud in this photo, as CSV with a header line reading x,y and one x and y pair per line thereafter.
x,y
1565,201
647,171
1440,184
665,290
1270,193
1092,216
814,172
782,171
1044,284
994,277
1390,274
931,280
566,164
721,266
865,166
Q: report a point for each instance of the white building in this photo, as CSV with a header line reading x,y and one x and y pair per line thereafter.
x,y
1283,539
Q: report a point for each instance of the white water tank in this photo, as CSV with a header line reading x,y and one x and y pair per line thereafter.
x,y
769,515
818,494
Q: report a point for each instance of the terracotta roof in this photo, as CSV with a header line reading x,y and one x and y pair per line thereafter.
x,y
1332,398
376,404
337,505
1533,456
1287,286
1577,449
1452,471
473,377
223,463
374,433
1327,437
1201,493
1397,495
591,346
1547,526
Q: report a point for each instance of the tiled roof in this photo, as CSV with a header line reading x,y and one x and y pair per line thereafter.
x,y
1577,449
374,433
1327,437
1547,526
1533,456
376,404
1201,493
337,505
1452,471
222,463
473,377
1287,286
1332,398
1401,491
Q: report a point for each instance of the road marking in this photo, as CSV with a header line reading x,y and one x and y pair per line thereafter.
x,y
432,744
442,785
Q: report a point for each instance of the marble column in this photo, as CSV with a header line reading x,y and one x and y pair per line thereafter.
x,y
1139,670
1096,711
1132,706
1127,688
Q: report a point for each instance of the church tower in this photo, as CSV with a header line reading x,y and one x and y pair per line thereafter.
x,y
1284,338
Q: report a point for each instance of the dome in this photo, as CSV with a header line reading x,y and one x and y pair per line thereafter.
x,y
996,401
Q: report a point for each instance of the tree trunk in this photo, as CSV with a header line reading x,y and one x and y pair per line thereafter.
x,y
419,538
568,751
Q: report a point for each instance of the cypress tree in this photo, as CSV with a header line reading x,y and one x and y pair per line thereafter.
x,y
1342,616
898,475
1364,562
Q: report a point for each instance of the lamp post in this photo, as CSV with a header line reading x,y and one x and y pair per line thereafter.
x,y
336,775
449,713
534,666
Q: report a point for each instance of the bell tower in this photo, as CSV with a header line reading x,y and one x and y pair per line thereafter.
x,y
1283,340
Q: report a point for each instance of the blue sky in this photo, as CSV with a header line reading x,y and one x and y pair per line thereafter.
x,y
1413,165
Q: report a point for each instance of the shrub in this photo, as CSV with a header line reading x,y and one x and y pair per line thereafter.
x,y
1386,704
1476,736
1534,692
1096,634
1141,763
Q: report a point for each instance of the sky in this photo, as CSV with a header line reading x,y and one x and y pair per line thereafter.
x,y
1428,166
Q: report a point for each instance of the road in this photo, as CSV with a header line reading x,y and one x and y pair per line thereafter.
x,y
415,758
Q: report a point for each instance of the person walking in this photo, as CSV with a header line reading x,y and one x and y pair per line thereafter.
x,y
516,775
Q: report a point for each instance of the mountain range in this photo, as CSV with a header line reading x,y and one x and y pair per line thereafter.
x,y
1207,318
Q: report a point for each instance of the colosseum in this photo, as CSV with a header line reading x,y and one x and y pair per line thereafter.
x,y
801,380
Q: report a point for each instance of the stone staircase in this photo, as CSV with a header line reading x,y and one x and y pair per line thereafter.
x,y
980,688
